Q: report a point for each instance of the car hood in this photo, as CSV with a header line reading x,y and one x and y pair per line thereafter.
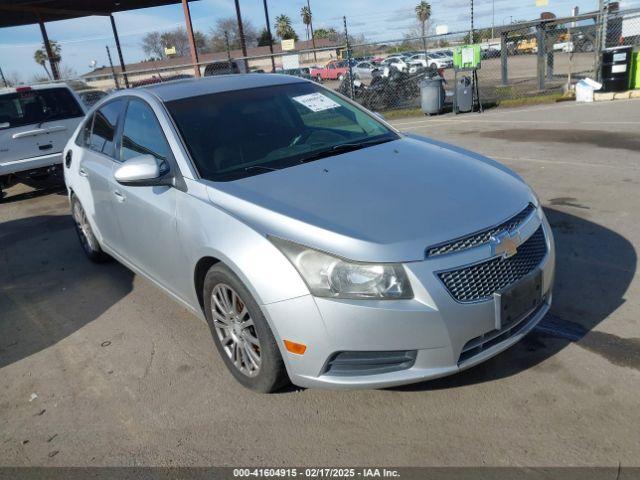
x,y
385,203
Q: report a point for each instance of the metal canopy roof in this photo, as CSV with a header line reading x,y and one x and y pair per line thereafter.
x,y
26,12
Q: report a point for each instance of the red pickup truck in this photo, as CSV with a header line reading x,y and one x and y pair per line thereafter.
x,y
335,70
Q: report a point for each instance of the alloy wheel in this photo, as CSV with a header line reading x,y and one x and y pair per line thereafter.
x,y
236,330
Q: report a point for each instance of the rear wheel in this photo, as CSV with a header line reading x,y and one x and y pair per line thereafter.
x,y
87,239
241,333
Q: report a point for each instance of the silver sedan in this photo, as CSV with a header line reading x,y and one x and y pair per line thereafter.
x,y
320,245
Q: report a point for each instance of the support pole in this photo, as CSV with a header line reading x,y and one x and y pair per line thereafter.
x,y
117,39
4,80
192,42
266,16
47,46
113,70
540,39
471,32
243,43
504,69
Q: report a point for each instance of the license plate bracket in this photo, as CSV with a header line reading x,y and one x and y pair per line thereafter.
x,y
515,301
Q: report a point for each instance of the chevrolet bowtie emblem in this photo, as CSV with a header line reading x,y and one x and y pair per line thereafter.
x,y
504,244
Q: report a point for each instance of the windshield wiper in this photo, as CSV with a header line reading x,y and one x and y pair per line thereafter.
x,y
343,148
261,167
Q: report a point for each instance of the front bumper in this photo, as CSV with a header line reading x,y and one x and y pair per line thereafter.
x,y
433,324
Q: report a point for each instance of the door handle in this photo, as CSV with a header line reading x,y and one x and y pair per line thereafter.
x,y
119,196
82,172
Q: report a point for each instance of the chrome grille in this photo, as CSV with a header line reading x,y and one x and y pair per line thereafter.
x,y
482,237
482,280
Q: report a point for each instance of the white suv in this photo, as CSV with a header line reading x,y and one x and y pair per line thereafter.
x,y
35,124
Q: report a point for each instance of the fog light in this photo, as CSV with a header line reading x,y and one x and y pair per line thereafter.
x,y
293,347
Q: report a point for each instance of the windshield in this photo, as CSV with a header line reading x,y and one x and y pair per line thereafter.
x,y
34,106
236,134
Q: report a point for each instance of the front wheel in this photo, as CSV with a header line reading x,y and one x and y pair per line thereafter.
x,y
241,333
87,239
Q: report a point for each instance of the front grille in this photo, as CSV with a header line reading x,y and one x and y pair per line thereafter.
x,y
369,363
482,280
482,237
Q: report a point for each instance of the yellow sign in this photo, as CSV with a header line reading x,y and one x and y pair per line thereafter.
x,y
170,50
542,3
288,44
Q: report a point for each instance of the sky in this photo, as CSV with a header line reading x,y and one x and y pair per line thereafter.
x,y
84,39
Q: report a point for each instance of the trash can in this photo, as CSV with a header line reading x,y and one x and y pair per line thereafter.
x,y
634,81
616,63
432,95
464,95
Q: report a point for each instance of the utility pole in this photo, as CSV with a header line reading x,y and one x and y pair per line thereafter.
x,y
346,37
243,43
493,19
113,70
313,39
4,80
266,15
471,32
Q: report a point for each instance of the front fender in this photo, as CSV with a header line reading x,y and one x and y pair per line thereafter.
x,y
208,231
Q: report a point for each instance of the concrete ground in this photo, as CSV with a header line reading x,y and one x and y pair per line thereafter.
x,y
98,367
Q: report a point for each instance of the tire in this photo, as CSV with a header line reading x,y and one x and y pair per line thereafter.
x,y
433,66
340,77
237,344
319,78
88,240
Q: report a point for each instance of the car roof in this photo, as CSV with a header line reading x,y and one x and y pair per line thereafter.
x,y
195,87
40,86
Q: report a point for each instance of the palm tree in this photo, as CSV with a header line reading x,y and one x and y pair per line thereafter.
x,y
284,28
305,13
423,12
41,58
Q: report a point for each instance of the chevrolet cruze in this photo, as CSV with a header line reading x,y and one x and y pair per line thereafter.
x,y
321,246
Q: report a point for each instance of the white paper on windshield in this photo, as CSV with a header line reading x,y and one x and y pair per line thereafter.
x,y
316,102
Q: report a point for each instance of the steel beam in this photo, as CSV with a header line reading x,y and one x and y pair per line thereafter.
x,y
192,41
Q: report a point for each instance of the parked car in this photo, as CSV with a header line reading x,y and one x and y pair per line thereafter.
x,y
397,62
366,70
430,60
35,124
334,70
303,72
275,231
90,96
225,67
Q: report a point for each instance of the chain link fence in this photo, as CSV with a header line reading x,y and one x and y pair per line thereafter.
x,y
519,60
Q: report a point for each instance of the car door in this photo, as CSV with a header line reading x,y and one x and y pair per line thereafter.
x,y
147,214
95,183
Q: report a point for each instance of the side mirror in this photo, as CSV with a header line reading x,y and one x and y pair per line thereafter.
x,y
140,171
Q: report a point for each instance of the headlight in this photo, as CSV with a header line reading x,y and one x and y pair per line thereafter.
x,y
329,276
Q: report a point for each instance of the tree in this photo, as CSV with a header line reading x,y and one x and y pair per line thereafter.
x,y
330,33
423,12
152,46
305,13
41,58
155,43
264,40
230,25
284,28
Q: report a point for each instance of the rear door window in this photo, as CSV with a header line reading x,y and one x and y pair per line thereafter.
x,y
34,106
